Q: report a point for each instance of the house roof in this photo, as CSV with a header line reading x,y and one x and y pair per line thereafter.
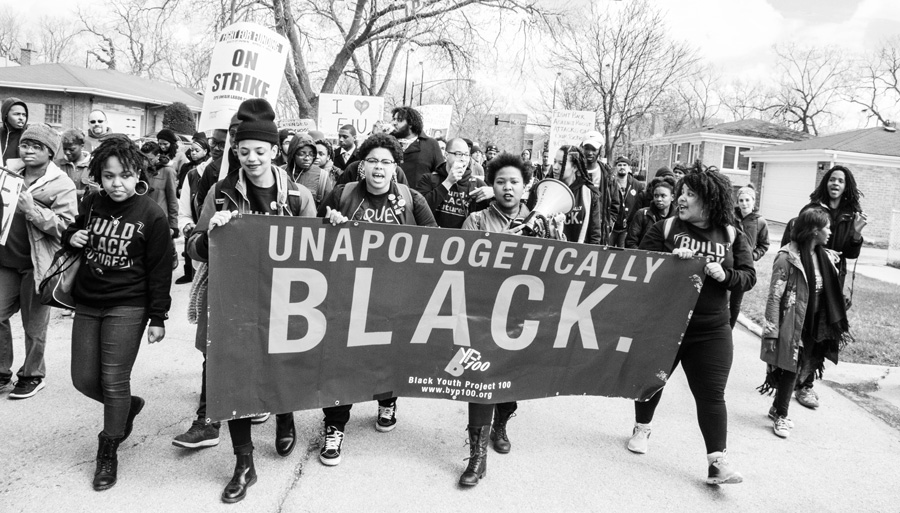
x,y
98,82
873,141
748,128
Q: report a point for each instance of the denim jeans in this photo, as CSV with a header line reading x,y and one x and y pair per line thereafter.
x,y
17,291
105,343
706,356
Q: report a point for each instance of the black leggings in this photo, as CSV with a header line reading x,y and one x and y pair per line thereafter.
x,y
705,355
483,414
786,382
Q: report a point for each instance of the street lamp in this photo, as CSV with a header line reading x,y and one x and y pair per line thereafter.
x,y
406,75
422,81
558,73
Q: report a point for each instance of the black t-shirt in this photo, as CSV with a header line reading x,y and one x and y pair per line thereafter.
x,y
263,200
16,254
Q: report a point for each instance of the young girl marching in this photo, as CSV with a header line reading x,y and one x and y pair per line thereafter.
x,y
123,283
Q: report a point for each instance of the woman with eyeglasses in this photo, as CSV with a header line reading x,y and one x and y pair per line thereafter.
x,y
375,198
46,205
301,157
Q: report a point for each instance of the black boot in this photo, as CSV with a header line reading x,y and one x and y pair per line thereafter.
x,y
244,475
477,469
498,432
137,404
107,462
285,433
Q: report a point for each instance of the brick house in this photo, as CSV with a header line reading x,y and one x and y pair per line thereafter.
x,y
723,145
787,174
63,96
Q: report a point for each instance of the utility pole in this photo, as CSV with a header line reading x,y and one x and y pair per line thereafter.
x,y
421,83
406,76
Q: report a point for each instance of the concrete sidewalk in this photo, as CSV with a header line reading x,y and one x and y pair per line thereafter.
x,y
568,452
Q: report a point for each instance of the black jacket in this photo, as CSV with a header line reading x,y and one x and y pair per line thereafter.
x,y
450,207
756,230
841,235
643,220
629,202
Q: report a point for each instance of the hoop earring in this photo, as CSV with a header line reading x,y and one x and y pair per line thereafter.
x,y
146,188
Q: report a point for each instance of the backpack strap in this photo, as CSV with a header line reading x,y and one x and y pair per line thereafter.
x,y
320,189
407,196
667,226
732,233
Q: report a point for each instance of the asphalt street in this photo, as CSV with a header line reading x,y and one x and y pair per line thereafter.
x,y
568,452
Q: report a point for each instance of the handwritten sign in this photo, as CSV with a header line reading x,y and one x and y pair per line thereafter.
x,y
337,110
247,62
437,119
299,126
569,127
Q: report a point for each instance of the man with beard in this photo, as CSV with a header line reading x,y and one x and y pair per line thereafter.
x,y
630,193
97,129
421,154
15,118
600,176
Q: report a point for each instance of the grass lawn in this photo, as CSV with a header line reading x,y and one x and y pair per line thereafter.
x,y
874,317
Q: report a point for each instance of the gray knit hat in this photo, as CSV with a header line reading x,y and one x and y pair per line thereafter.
x,y
44,134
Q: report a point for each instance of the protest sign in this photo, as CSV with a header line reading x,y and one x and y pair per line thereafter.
x,y
247,62
299,126
567,127
11,184
337,110
437,119
303,315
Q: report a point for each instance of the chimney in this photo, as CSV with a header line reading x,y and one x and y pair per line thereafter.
x,y
26,54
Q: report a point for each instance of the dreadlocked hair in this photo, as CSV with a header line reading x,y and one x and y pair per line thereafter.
x,y
851,196
575,157
122,148
714,190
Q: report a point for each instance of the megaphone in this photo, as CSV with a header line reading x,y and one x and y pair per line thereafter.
x,y
553,197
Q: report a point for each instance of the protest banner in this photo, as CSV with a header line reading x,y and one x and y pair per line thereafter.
x,y
437,119
247,62
298,125
337,110
303,314
11,183
567,127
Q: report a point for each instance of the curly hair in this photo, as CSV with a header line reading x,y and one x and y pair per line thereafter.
x,y
411,116
714,190
506,160
808,223
328,149
850,197
122,148
386,141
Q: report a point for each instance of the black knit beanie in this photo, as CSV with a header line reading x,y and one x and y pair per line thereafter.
x,y
257,121
167,135
200,138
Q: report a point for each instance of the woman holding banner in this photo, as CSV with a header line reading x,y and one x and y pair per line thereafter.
x,y
704,227
508,175
258,187
375,198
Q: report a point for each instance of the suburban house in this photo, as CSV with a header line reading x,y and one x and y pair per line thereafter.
x,y
723,145
63,95
790,172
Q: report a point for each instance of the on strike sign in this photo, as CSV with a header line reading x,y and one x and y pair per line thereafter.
x,y
247,62
337,110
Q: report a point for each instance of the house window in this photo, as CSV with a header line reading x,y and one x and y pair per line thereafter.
x,y
53,114
694,153
676,154
733,158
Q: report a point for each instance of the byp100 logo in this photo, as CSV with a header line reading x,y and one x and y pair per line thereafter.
x,y
465,359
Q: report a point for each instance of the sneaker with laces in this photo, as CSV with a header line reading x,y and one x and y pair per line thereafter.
x,y
773,416
721,471
640,438
387,418
200,435
330,454
807,397
781,426
260,419
27,387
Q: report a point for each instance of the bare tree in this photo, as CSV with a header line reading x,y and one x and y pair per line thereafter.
x,y
623,52
746,99
10,33
878,87
141,32
373,35
57,36
812,81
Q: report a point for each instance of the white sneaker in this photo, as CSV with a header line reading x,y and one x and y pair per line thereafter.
x,y
639,441
259,419
782,427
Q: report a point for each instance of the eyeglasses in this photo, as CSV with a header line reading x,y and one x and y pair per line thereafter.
x,y
95,121
26,146
218,145
458,154
384,162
